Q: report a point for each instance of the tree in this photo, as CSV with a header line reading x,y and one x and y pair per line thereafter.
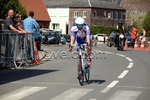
x,y
5,5
146,23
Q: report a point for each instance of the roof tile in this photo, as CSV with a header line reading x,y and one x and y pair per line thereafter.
x,y
38,7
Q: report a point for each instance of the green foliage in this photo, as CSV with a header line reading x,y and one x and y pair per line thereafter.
x,y
146,23
101,29
11,4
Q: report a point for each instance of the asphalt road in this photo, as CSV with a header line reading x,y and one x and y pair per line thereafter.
x,y
115,75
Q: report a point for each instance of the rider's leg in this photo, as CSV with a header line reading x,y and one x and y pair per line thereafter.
x,y
89,54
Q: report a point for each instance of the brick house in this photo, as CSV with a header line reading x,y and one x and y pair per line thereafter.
x,y
40,12
95,12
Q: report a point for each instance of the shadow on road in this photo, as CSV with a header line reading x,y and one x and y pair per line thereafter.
x,y
96,81
19,74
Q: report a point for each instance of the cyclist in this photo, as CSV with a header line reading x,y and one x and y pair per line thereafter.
x,y
80,34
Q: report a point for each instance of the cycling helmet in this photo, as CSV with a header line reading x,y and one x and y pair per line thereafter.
x,y
79,21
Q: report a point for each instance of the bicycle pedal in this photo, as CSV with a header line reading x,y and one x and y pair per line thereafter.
x,y
79,77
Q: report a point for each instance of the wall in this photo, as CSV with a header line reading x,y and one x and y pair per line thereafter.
x,y
59,16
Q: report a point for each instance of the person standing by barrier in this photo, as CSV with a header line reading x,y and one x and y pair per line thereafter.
x,y
19,24
9,23
30,23
142,35
134,35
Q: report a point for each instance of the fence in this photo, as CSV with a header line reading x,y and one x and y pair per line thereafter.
x,y
15,49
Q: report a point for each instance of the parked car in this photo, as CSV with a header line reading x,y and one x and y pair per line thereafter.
x,y
111,39
38,40
128,38
67,38
53,37
43,30
100,37
62,39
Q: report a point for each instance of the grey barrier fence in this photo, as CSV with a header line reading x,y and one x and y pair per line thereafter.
x,y
15,48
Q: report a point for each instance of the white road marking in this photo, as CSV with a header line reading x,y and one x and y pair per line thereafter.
x,y
72,94
20,93
129,59
120,55
108,52
130,65
125,95
122,75
111,85
93,99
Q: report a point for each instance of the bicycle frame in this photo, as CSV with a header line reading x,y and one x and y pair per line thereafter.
x,y
85,69
82,64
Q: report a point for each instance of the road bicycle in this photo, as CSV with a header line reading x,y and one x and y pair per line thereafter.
x,y
82,61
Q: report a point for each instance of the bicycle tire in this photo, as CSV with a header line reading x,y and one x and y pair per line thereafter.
x,y
87,74
81,81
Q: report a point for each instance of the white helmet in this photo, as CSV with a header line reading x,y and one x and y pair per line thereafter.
x,y
79,20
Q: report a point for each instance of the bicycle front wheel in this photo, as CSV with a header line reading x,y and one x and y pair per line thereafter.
x,y
80,75
81,79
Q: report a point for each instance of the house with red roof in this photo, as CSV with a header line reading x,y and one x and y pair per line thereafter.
x,y
40,11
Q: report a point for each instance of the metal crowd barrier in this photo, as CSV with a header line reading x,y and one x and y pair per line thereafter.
x,y
15,49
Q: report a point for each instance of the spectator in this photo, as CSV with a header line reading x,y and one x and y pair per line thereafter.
x,y
142,36
9,23
95,41
18,24
134,35
104,36
30,24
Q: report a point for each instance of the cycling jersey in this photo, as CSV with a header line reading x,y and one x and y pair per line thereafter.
x,y
80,35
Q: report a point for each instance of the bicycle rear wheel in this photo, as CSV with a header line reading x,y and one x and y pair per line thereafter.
x,y
87,73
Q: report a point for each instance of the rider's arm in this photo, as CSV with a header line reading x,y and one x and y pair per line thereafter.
x,y
88,35
88,39
72,36
72,40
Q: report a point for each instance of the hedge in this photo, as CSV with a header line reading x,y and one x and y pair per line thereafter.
x,y
101,29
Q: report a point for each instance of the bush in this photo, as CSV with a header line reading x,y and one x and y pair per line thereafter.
x,y
146,23
11,4
101,29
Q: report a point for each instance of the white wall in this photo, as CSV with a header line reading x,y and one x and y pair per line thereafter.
x,y
59,16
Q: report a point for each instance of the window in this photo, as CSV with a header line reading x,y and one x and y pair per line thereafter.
x,y
121,16
116,15
105,14
84,14
95,14
112,15
55,26
75,14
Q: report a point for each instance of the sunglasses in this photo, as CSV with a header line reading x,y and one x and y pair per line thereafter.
x,y
80,25
19,17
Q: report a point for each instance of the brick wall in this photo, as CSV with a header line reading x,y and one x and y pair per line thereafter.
x,y
90,20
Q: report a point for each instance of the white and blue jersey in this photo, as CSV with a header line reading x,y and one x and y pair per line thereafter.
x,y
80,35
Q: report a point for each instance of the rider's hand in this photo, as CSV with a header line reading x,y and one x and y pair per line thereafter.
x,y
88,47
70,48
